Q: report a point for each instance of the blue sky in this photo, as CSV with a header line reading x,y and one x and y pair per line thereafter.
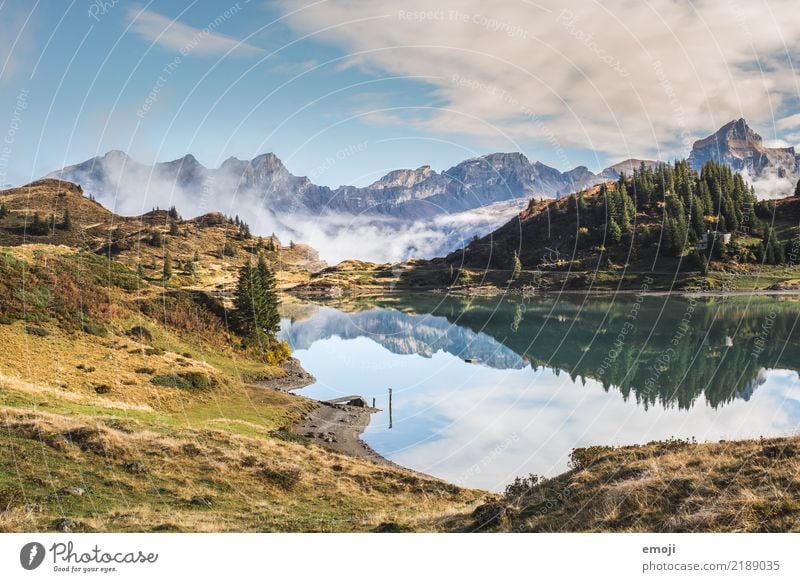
x,y
345,90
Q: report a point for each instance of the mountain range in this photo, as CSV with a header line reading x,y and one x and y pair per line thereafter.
x,y
425,212
404,193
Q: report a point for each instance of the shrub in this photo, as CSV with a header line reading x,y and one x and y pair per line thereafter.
x,y
194,313
521,486
94,329
102,389
145,370
135,468
185,380
286,479
38,227
583,458
156,239
278,353
37,331
140,333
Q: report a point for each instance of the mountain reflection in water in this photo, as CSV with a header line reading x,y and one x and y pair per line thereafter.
x,y
551,374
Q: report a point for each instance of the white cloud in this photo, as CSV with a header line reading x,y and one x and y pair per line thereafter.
x,y
292,69
176,36
789,122
770,186
626,78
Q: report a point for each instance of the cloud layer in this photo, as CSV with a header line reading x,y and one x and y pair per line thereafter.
x,y
178,37
625,78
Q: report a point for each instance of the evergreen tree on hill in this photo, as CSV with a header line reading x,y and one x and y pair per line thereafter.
x,y
167,270
38,227
66,221
255,306
771,250
614,231
516,267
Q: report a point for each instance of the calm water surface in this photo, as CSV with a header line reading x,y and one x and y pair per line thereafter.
x,y
487,389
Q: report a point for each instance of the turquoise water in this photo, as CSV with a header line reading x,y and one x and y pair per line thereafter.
x,y
550,374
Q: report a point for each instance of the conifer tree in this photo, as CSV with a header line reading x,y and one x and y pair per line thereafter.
x,y
614,231
582,210
271,320
516,268
66,221
255,306
38,227
167,270
771,250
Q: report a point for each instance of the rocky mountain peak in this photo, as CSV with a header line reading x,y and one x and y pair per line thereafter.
x,y
733,133
736,145
404,178
500,159
740,131
268,162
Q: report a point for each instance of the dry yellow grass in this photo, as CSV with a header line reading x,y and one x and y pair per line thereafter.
x,y
675,486
97,473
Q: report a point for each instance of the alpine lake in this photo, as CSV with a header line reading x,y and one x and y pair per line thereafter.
x,y
484,389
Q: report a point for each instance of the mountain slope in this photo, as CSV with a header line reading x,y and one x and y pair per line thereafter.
x,y
205,252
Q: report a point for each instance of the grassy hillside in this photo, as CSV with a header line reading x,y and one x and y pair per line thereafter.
x,y
204,252
128,404
672,486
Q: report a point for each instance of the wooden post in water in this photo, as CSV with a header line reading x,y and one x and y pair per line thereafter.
x,y
373,402
390,408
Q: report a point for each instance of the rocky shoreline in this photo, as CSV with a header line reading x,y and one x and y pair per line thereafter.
x,y
295,377
337,427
